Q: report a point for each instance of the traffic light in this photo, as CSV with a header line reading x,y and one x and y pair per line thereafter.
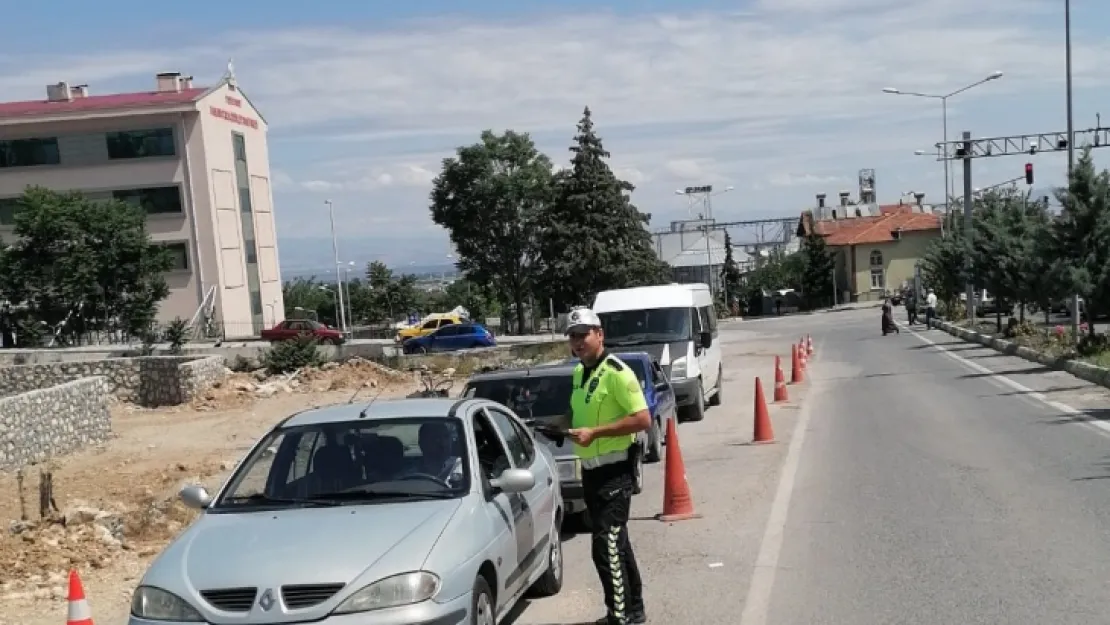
x,y
1029,173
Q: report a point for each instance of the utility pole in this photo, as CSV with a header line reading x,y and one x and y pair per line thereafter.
x,y
969,228
338,271
1071,142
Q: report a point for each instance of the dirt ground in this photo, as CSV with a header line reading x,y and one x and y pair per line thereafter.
x,y
116,504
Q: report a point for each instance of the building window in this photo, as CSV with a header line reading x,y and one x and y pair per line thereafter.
x,y
179,251
154,200
246,216
29,152
9,206
140,143
878,276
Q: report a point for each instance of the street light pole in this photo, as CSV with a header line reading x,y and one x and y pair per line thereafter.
x,y
338,272
1071,140
968,228
948,190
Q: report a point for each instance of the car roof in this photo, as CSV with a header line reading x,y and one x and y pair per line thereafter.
x,y
377,410
550,369
559,368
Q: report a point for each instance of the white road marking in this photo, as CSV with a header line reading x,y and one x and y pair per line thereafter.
x,y
1101,427
758,602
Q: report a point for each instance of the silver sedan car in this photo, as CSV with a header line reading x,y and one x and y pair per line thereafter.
x,y
412,511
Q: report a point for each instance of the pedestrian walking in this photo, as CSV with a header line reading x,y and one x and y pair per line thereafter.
x,y
608,410
911,307
930,308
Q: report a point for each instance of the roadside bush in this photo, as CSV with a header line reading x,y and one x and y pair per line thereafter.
x,y
177,334
1092,345
287,356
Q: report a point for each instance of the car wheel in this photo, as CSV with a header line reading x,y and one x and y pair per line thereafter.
x,y
716,399
420,349
481,604
551,582
655,442
697,411
638,480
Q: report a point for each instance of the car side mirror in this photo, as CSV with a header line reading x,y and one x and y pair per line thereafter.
x,y
514,481
195,497
706,339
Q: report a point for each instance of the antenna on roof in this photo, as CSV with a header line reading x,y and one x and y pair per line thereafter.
x,y
366,409
229,76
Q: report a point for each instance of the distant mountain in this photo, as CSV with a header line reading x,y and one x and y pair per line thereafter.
x,y
403,252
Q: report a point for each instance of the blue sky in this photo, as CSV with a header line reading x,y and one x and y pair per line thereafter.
x,y
780,99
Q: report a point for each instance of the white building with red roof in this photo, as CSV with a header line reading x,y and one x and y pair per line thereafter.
x,y
195,158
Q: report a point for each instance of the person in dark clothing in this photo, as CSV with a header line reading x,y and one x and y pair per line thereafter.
x,y
911,307
7,327
888,318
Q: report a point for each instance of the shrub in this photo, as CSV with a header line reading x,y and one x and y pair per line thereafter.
x,y
177,334
286,356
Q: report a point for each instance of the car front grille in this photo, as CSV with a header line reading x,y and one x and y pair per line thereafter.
x,y
308,595
230,599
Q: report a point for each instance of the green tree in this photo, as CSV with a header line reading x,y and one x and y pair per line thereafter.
x,y
1082,236
80,265
594,238
389,296
942,266
488,197
731,276
817,271
305,295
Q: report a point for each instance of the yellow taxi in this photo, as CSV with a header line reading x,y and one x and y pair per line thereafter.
x,y
427,325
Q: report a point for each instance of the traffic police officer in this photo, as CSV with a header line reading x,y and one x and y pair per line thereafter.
x,y
608,409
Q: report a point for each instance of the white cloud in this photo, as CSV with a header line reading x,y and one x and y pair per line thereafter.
x,y
743,98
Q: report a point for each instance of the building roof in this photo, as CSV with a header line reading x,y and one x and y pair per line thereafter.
x,y
872,228
94,103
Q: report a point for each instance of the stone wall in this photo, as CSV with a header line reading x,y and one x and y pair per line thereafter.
x,y
148,381
52,421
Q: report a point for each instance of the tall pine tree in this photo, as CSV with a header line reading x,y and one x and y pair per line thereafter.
x,y
731,277
593,236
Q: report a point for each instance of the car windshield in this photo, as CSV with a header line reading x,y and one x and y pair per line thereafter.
x,y
654,325
352,462
531,397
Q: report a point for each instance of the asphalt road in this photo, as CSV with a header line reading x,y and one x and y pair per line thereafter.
x,y
934,490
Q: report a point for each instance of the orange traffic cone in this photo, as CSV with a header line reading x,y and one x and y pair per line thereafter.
x,y
677,504
780,383
79,612
809,345
796,376
763,432
802,353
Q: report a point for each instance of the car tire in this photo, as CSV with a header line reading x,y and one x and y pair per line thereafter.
x,y
716,399
482,608
697,411
654,451
421,350
551,582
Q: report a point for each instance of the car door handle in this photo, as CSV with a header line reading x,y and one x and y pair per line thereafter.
x,y
549,480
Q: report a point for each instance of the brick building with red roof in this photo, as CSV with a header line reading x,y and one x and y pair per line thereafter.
x,y
876,247
195,158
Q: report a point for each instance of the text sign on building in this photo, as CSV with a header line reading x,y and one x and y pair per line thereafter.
x,y
236,102
234,118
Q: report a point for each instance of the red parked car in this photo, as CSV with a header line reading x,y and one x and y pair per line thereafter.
x,y
292,328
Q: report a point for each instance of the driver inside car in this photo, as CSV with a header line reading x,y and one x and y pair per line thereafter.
x,y
439,454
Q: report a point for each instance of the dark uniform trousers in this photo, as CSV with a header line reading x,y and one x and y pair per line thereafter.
x,y
608,494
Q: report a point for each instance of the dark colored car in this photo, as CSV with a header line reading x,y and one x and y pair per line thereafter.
x,y
449,338
541,396
292,328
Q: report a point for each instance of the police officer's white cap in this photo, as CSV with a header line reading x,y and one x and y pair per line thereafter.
x,y
582,319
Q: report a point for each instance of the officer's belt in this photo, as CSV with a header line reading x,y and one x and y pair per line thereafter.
x,y
614,457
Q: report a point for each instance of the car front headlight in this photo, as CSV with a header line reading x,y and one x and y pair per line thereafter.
x,y
403,589
155,604
678,368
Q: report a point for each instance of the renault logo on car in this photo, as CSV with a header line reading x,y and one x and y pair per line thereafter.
x,y
266,601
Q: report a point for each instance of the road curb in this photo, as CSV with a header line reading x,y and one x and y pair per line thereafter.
x,y
1082,370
